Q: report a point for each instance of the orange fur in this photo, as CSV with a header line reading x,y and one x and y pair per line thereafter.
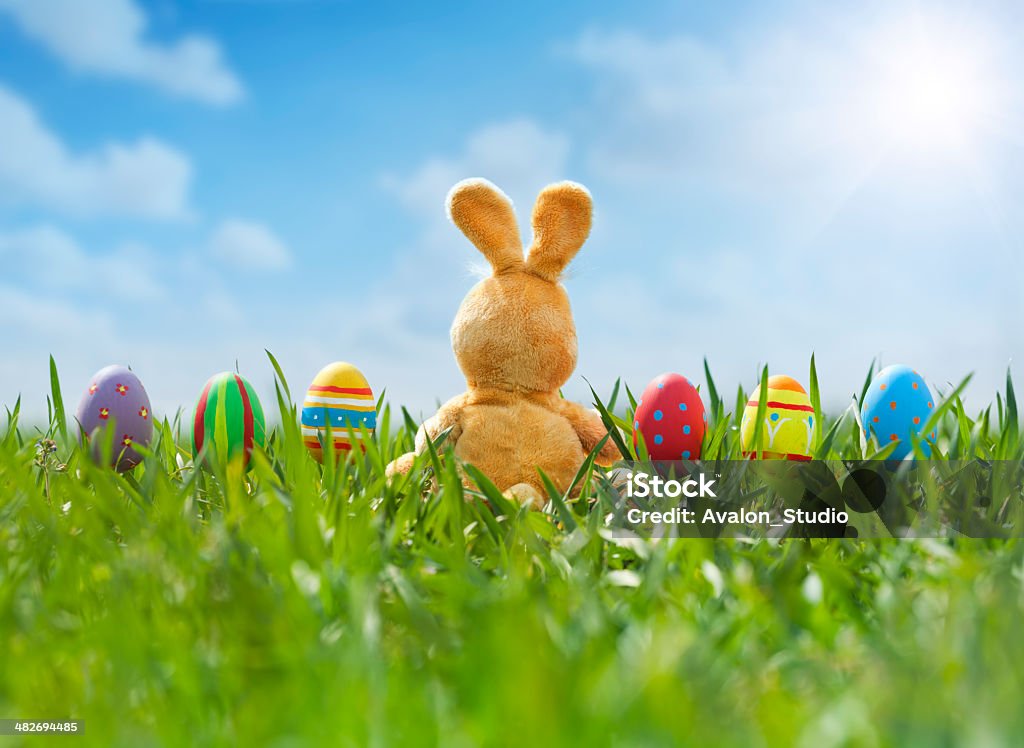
x,y
515,340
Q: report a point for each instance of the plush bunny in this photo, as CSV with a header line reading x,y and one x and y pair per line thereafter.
x,y
515,341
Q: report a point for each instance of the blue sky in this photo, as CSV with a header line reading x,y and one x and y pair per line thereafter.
x,y
185,184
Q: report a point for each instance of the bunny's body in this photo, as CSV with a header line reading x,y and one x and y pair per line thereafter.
x,y
515,341
510,435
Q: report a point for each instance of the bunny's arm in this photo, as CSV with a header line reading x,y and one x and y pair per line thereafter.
x,y
447,416
590,429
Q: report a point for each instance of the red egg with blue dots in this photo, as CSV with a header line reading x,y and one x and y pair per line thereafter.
x,y
897,404
671,417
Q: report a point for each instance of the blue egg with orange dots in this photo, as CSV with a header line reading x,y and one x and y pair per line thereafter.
x,y
898,403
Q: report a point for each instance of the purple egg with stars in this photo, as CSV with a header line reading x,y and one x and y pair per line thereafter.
x,y
115,399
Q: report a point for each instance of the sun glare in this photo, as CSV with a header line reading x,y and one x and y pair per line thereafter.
x,y
932,87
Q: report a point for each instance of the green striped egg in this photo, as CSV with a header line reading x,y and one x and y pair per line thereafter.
x,y
229,420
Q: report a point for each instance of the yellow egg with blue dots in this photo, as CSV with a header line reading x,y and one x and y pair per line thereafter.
x,y
339,399
787,432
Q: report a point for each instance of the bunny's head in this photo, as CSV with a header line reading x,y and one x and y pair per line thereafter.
x,y
514,330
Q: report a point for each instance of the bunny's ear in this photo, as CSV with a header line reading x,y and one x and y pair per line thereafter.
x,y
561,223
485,216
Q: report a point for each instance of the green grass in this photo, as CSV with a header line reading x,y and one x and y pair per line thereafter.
x,y
296,605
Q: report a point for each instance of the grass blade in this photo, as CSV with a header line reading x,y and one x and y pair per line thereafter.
x,y
280,374
609,423
59,416
815,396
717,406
762,409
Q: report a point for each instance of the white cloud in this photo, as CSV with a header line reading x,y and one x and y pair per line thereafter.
x,y
143,179
798,109
44,256
676,108
247,245
517,155
108,37
48,318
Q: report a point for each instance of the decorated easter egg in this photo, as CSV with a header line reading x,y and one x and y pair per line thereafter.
x,y
228,421
788,428
898,403
115,406
339,398
671,417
